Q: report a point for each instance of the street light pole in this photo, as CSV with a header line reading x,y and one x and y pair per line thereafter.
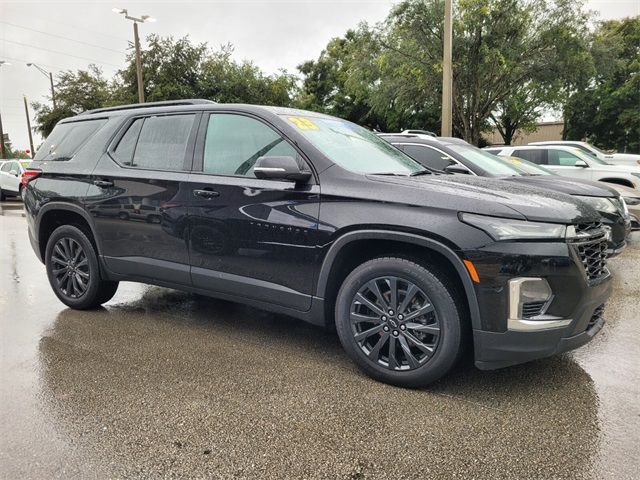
x,y
136,40
50,76
26,112
447,74
3,150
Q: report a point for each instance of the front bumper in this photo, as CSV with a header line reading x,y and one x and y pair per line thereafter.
x,y
572,317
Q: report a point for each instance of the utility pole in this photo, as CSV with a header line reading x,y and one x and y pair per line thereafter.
x,y
50,76
447,74
26,112
3,151
136,40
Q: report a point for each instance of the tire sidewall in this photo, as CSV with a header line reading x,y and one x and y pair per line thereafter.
x,y
87,300
450,324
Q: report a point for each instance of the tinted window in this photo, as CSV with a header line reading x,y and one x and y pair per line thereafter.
x,y
562,158
534,155
127,144
162,143
234,143
428,156
67,138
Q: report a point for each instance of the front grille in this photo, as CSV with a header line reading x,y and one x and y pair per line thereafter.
x,y
590,243
532,309
597,315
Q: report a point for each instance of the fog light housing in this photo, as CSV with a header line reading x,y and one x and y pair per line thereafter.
x,y
529,299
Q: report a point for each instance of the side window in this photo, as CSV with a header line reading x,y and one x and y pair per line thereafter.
x,y
536,156
6,166
233,143
127,145
562,158
162,142
67,138
428,156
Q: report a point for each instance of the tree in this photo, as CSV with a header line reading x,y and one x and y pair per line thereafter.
x,y
76,92
607,111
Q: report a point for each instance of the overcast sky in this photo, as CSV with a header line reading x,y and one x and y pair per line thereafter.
x,y
60,35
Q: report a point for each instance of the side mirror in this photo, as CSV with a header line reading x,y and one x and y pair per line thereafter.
x,y
14,173
280,168
581,164
455,168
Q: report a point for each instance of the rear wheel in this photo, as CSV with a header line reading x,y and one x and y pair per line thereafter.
x,y
398,321
2,197
73,270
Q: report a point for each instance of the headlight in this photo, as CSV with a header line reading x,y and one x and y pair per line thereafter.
x,y
509,229
601,204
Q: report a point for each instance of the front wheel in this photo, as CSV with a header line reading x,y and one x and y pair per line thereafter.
x,y
398,321
73,270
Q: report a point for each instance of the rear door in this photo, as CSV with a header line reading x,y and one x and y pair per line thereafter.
x,y
250,237
137,197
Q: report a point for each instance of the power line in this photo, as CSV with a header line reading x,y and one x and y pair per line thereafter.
x,y
60,53
76,27
62,37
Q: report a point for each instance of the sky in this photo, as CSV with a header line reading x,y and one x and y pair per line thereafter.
x,y
61,35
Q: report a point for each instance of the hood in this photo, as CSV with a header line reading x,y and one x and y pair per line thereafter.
x,y
618,168
570,186
625,191
624,156
489,196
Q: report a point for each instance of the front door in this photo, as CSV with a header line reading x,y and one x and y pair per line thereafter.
x,y
137,198
249,237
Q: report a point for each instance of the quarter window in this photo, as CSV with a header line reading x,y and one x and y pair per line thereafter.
x,y
6,167
66,139
234,142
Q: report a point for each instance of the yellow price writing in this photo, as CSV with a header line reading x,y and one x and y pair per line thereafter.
x,y
303,123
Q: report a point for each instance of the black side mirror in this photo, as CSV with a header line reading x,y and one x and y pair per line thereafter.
x,y
280,168
455,168
15,173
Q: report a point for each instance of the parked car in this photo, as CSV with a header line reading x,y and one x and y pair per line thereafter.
x,y
10,173
573,162
322,220
612,158
454,155
631,198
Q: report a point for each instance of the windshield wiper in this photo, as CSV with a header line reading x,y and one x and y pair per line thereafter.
x,y
392,174
421,172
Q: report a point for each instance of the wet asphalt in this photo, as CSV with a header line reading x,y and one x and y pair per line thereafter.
x,y
165,384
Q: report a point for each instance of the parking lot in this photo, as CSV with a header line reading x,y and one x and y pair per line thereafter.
x,y
167,384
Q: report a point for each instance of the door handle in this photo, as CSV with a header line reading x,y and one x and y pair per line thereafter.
x,y
103,183
208,194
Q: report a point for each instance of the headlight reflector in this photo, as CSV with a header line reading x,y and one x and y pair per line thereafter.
x,y
510,229
601,204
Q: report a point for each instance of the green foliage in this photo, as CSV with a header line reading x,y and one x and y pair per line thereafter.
x,y
75,93
607,111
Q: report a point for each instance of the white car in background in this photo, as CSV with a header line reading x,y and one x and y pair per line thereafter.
x,y
612,158
10,173
573,162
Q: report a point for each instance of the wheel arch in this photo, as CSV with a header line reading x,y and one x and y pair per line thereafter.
x,y
618,181
353,248
55,214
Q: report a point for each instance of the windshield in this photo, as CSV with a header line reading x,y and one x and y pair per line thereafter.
x,y
352,147
527,167
486,161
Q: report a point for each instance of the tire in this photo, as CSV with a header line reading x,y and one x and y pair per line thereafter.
x,y
123,216
431,317
2,197
73,270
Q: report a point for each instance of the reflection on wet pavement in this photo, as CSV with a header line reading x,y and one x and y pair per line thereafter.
x,y
164,383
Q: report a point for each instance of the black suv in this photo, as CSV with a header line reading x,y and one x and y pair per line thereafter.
x,y
318,218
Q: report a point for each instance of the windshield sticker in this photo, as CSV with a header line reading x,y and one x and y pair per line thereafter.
x,y
303,123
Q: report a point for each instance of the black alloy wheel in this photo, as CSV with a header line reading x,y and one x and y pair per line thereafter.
x,y
394,323
70,267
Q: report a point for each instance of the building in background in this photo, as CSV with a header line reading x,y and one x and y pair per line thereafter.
x,y
546,131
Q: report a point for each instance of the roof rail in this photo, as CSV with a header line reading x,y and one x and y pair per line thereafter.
x,y
167,103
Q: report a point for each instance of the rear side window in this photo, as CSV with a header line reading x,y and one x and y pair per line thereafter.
x,y
66,139
428,156
536,156
158,143
6,167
